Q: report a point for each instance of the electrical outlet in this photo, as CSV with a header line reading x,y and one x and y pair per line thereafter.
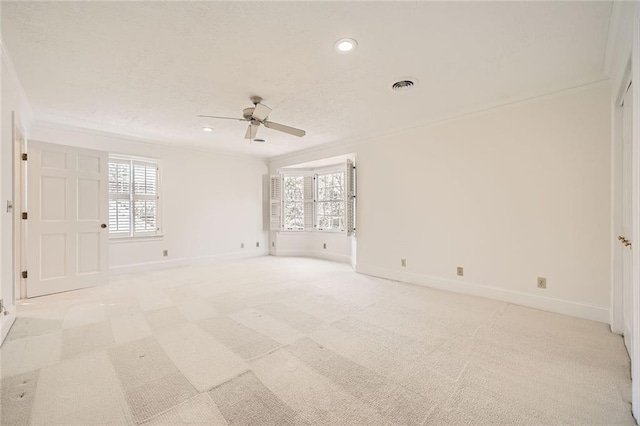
x,y
241,245
257,243
165,253
324,245
403,263
460,271
542,282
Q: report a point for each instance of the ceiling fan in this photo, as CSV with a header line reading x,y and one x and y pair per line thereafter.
x,y
258,115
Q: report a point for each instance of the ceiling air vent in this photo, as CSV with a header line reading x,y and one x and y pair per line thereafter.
x,y
404,84
259,140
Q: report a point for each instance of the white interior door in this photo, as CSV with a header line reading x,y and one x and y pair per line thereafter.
x,y
67,235
627,257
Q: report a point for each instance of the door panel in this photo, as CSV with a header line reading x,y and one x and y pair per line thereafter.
x,y
67,248
88,253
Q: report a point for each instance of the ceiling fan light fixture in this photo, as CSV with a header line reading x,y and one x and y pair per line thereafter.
x,y
345,45
207,129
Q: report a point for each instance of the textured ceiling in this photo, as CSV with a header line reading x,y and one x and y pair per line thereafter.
x,y
146,69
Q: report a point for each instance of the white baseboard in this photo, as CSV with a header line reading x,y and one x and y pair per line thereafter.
x,y
315,254
6,321
565,307
173,263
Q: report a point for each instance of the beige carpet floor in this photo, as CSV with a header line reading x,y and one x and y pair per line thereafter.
x,y
280,341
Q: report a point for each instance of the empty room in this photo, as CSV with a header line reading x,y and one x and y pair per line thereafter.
x,y
319,213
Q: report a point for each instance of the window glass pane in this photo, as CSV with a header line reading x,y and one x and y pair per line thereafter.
x,y
321,193
144,216
293,202
338,193
323,222
119,216
119,178
144,179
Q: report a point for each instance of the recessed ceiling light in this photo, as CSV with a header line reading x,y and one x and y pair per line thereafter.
x,y
345,45
207,129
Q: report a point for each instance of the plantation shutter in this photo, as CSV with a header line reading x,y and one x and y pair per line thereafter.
x,y
350,194
145,198
275,195
308,203
119,197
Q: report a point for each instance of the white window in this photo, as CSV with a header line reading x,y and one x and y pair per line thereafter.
x,y
293,202
330,200
304,201
133,197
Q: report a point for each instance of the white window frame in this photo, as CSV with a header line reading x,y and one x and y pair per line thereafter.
x,y
337,168
132,197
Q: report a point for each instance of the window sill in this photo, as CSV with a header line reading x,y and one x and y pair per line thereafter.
x,y
123,240
330,231
314,231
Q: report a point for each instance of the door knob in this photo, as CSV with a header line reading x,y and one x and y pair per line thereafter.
x,y
104,225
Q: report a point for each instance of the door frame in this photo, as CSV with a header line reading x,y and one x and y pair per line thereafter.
x,y
617,149
19,200
8,316
635,221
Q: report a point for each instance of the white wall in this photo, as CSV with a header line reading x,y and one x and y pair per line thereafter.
x,y
14,102
211,203
510,194
311,244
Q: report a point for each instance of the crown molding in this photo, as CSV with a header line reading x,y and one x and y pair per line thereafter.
x,y
47,125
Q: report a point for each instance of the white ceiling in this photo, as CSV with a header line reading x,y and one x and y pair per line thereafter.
x,y
146,69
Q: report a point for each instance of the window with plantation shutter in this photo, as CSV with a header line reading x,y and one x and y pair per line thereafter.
x,y
275,195
133,198
308,202
320,201
350,189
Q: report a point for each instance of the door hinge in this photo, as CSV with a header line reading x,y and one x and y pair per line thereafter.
x,y
24,157
25,215
25,274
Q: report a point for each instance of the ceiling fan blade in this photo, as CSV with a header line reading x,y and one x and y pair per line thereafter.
x,y
223,118
261,112
252,130
286,129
